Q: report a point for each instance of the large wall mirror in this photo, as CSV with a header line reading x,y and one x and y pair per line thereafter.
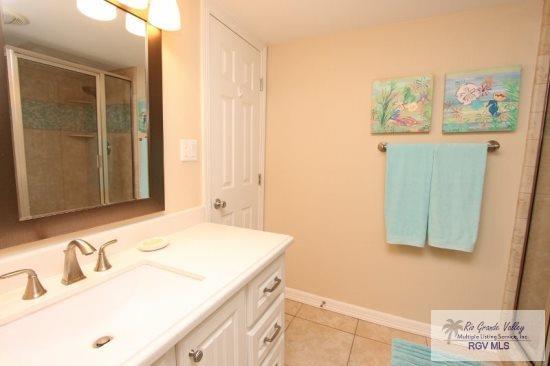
x,y
84,114
79,107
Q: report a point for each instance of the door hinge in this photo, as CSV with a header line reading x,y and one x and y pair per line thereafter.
x,y
259,179
261,84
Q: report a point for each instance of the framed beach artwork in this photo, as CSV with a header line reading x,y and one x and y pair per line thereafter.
x,y
402,105
481,101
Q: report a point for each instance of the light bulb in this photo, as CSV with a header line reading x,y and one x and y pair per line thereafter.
x,y
165,15
97,9
135,25
136,4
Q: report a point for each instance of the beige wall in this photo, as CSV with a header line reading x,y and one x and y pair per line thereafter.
x,y
325,177
182,109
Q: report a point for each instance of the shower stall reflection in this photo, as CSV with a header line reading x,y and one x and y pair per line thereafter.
x,y
78,134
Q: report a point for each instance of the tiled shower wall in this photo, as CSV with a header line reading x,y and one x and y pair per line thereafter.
x,y
529,165
60,138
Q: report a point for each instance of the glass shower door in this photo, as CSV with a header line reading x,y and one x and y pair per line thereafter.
x,y
119,136
59,118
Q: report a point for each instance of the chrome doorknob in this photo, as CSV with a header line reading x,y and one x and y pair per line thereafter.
x,y
196,356
218,203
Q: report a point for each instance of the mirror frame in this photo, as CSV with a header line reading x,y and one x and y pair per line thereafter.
x,y
14,232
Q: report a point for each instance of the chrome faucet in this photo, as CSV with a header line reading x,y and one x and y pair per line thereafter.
x,y
34,288
72,271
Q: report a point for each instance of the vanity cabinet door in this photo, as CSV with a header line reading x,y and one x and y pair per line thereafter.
x,y
168,359
218,341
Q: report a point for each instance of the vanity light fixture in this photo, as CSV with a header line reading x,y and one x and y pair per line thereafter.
x,y
135,25
165,15
136,4
97,9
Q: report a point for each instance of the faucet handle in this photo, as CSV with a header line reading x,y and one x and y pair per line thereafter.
x,y
102,261
34,288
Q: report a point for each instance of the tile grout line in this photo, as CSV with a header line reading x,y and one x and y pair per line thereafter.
x,y
365,337
290,322
324,325
350,350
353,341
299,308
313,321
316,322
386,343
327,326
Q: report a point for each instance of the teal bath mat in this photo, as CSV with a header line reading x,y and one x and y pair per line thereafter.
x,y
405,353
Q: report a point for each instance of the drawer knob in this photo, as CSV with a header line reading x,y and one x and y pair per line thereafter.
x,y
274,335
196,356
268,290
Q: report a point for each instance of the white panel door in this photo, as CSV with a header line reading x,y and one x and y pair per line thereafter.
x,y
219,341
234,80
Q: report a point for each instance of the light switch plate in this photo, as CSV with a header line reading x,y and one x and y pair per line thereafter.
x,y
188,150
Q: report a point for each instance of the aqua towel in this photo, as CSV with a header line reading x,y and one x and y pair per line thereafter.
x,y
405,353
455,197
407,196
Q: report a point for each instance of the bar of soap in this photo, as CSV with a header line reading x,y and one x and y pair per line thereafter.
x,y
152,244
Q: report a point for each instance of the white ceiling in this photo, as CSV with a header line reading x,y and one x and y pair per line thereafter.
x,y
58,28
276,21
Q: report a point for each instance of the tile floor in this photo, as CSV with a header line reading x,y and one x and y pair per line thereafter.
x,y
318,337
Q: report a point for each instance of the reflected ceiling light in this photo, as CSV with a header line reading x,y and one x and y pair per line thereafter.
x,y
165,15
135,25
136,4
97,9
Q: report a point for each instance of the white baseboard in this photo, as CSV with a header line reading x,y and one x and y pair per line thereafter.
x,y
373,316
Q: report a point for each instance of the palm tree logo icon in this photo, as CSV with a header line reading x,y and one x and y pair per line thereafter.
x,y
452,327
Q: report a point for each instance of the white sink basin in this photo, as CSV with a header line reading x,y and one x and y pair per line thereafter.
x,y
134,308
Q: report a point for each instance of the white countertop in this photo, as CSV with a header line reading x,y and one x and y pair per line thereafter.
x,y
225,257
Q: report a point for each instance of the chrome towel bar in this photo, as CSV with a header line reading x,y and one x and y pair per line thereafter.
x,y
492,145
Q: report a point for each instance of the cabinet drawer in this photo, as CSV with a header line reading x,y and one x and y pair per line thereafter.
x,y
277,355
263,290
266,333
